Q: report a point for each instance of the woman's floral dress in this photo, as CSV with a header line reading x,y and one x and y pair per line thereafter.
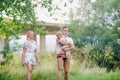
x,y
31,48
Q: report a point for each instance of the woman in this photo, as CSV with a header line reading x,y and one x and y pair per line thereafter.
x,y
30,53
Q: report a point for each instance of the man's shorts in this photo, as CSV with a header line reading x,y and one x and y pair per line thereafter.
x,y
61,55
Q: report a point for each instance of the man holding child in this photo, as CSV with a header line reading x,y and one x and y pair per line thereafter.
x,y
64,45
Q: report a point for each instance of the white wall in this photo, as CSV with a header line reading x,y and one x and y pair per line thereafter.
x,y
50,42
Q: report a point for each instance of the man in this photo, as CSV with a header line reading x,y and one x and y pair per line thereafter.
x,y
64,62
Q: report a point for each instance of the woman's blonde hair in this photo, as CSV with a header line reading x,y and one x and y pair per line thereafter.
x,y
29,33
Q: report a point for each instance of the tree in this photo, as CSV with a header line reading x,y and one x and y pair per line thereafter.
x,y
94,21
13,13
110,12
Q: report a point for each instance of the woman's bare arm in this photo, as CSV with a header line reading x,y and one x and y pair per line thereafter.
x,y
23,55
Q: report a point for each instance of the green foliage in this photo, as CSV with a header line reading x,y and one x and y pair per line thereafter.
x,y
108,10
105,59
99,39
13,14
48,70
96,26
75,32
4,73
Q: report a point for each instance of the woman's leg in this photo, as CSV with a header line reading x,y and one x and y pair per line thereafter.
x,y
29,73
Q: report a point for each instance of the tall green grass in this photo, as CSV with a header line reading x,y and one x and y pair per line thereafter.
x,y
48,70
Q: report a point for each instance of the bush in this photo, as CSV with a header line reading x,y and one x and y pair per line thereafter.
x,y
105,59
5,73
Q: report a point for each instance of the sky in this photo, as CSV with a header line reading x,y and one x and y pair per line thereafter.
x,y
42,14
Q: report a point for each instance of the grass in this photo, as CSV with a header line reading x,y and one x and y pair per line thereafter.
x,y
48,70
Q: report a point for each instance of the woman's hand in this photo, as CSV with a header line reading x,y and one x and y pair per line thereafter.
x,y
23,55
38,62
23,64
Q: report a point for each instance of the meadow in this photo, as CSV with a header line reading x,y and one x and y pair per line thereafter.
x,y
47,70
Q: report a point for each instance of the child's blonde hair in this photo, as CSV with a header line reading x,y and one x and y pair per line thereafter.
x,y
58,33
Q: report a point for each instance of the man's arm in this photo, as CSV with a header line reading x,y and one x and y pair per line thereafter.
x,y
69,48
63,42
